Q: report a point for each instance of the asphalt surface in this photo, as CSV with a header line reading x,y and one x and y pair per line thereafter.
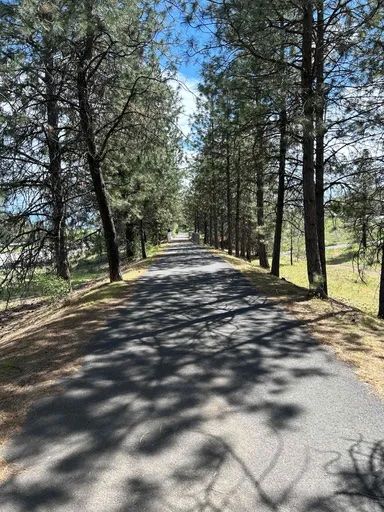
x,y
201,396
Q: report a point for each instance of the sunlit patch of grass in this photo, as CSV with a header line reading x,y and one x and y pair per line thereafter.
x,y
344,282
356,337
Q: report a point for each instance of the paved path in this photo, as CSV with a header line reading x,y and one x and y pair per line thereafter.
x,y
201,396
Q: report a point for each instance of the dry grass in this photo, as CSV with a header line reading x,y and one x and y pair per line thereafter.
x,y
357,338
50,346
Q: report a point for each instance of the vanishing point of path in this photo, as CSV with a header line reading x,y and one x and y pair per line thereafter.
x,y
201,396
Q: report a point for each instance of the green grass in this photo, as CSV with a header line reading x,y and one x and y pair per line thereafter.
x,y
46,286
89,269
96,267
335,232
343,280
43,284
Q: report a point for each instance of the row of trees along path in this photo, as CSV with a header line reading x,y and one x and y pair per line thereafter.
x,y
289,129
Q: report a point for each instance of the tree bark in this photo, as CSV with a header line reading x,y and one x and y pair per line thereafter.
x,y
280,195
211,225
381,293
243,239
94,164
222,244
237,216
216,227
129,240
263,257
215,217
142,240
248,250
320,133
314,270
229,198
364,237
55,168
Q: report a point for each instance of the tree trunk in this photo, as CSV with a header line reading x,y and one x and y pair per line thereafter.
x,y
129,240
211,226
381,293
237,215
280,195
214,214
243,237
320,132
55,171
263,257
216,227
87,130
142,240
364,236
229,199
248,243
222,244
314,269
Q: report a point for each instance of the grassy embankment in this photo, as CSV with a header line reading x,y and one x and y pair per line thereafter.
x,y
344,282
45,287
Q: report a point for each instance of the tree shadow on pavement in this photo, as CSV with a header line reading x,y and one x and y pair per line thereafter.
x,y
175,403
360,483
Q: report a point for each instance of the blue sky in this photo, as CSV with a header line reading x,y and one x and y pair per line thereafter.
x,y
189,67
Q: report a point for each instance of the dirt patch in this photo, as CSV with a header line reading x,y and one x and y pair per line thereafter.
x,y
357,338
50,346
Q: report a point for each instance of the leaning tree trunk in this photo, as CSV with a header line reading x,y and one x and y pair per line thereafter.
x,y
320,132
55,170
381,293
314,270
94,164
275,270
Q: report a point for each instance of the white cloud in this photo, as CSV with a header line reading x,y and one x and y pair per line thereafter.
x,y
188,92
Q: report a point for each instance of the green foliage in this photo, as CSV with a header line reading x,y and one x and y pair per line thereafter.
x,y
42,285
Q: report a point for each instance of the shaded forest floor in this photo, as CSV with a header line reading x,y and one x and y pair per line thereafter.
x,y
356,337
50,344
